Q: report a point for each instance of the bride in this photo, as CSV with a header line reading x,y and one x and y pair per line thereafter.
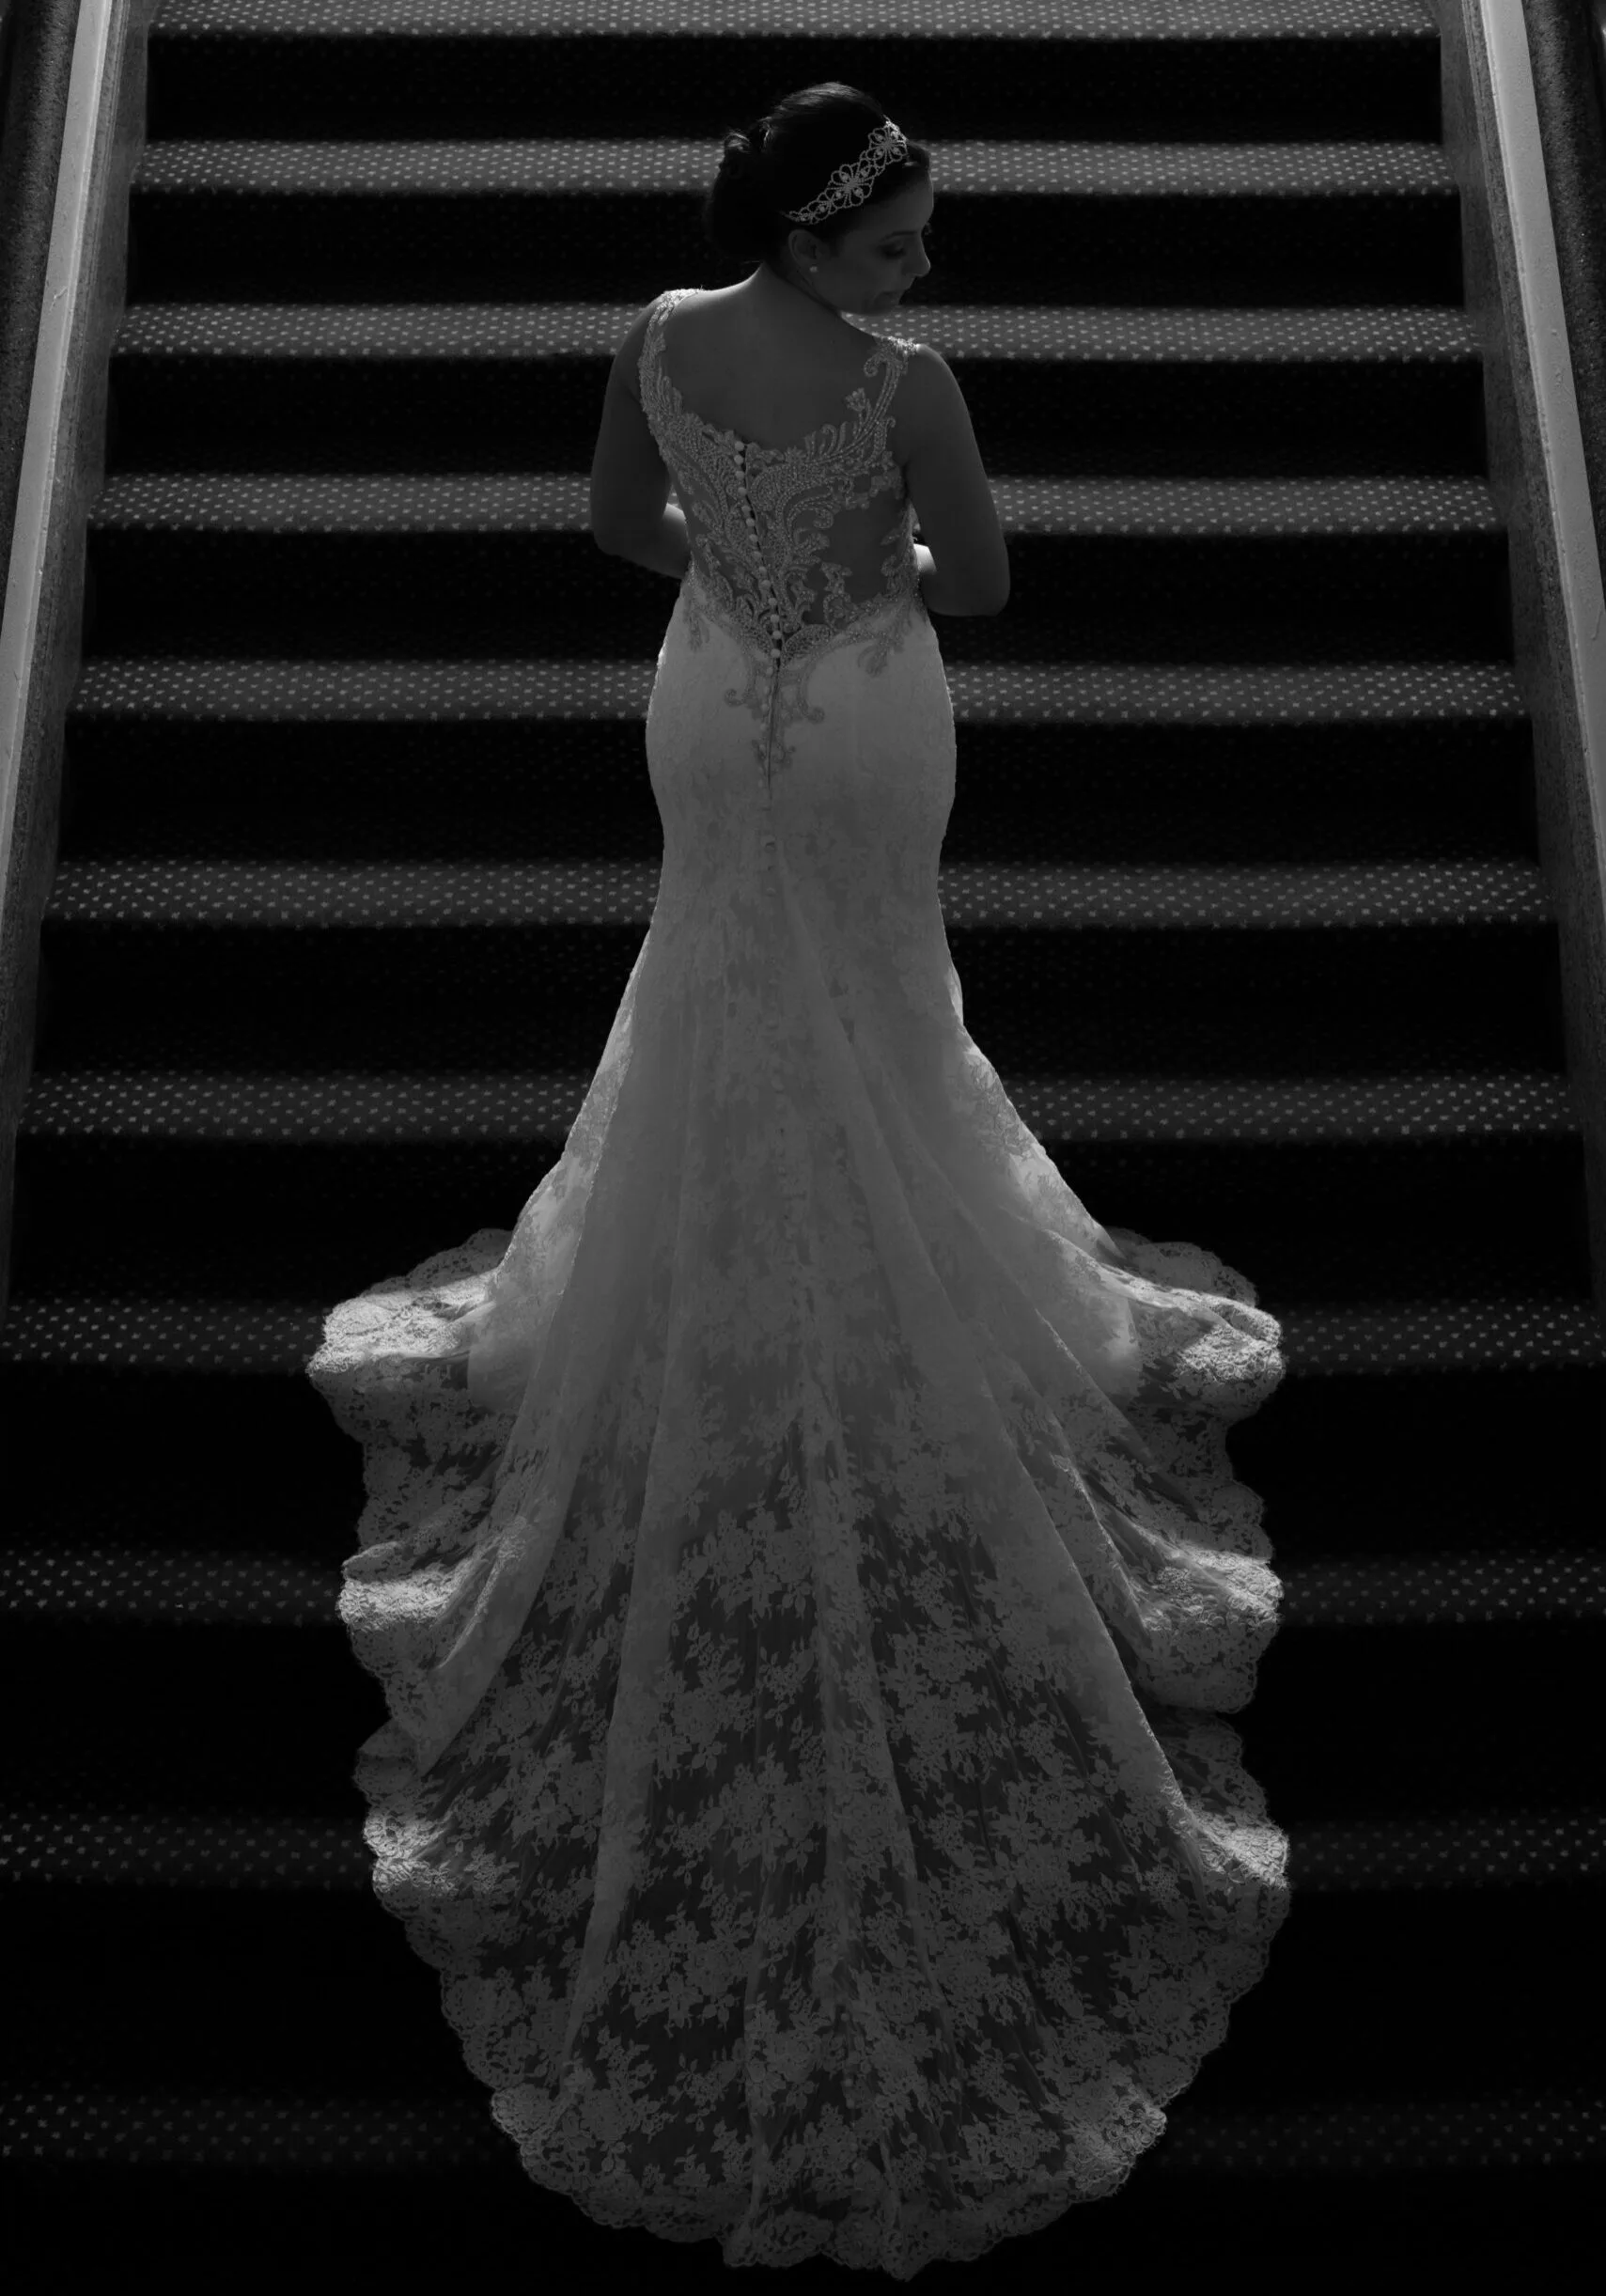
x,y
802,1558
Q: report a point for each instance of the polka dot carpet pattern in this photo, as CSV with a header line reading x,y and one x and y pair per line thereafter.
x,y
547,501
508,1106
1459,2134
590,168
85,1845
198,1336
1033,20
1081,693
263,1338
1465,2133
171,687
1024,334
1508,893
284,1590
338,930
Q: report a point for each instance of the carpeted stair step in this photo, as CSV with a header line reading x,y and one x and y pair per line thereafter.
x,y
1277,69
1100,761
1436,1003
284,566
298,1506
240,1176
257,1337
131,1584
441,218
1430,1739
1372,954
394,2181
1493,895
1525,1109
165,1637
149,1849
224,1947
1419,1410
1363,389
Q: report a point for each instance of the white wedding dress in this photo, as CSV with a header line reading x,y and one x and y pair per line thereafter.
x,y
801,1560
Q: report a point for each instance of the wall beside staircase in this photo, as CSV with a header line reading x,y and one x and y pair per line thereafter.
x,y
41,63
36,57
1569,831
1567,42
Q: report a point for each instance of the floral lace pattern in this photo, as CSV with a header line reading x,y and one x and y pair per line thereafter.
x,y
802,1558
760,517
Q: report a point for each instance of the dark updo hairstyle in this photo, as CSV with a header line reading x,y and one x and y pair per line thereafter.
x,y
785,159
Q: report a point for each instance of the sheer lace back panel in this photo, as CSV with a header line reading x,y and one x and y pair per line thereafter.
x,y
789,540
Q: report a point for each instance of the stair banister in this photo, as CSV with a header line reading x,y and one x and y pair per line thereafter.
x,y
61,474
1538,479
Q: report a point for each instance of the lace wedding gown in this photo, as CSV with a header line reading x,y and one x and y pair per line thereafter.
x,y
802,1559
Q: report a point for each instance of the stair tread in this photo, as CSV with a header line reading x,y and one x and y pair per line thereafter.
x,y
1496,2132
297,20
1093,332
82,1841
295,896
455,167
558,502
549,501
257,1586
1079,693
208,1334
358,1106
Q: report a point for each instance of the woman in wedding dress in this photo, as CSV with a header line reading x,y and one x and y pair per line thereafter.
x,y
802,1559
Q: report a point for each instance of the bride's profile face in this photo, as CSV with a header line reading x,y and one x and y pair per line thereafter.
x,y
876,259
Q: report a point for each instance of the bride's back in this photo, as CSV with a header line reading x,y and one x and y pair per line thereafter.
x,y
792,424
771,380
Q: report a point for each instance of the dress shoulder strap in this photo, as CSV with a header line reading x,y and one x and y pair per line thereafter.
x,y
652,340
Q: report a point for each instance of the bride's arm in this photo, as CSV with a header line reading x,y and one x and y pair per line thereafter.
x,y
931,585
664,549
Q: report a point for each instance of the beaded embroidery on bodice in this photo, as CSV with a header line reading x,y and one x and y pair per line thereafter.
x,y
760,517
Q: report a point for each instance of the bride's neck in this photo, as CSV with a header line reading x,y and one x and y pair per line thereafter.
x,y
787,295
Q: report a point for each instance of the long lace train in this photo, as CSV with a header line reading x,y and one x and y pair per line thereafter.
x,y
804,1565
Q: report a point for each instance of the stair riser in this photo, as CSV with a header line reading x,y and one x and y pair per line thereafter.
x,y
1199,248
366,2183
228,1218
625,619
1039,1000
1370,417
285,1710
184,1985
549,789
294,595
645,85
1381,1461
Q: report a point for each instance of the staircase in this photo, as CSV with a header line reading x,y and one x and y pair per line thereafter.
x,y
358,849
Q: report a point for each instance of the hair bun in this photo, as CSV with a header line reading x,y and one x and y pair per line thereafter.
x,y
779,161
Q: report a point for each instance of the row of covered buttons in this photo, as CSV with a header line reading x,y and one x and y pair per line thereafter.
x,y
773,618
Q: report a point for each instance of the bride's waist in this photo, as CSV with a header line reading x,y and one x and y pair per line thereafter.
x,y
764,634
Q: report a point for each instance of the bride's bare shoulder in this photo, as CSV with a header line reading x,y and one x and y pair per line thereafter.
x,y
626,358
